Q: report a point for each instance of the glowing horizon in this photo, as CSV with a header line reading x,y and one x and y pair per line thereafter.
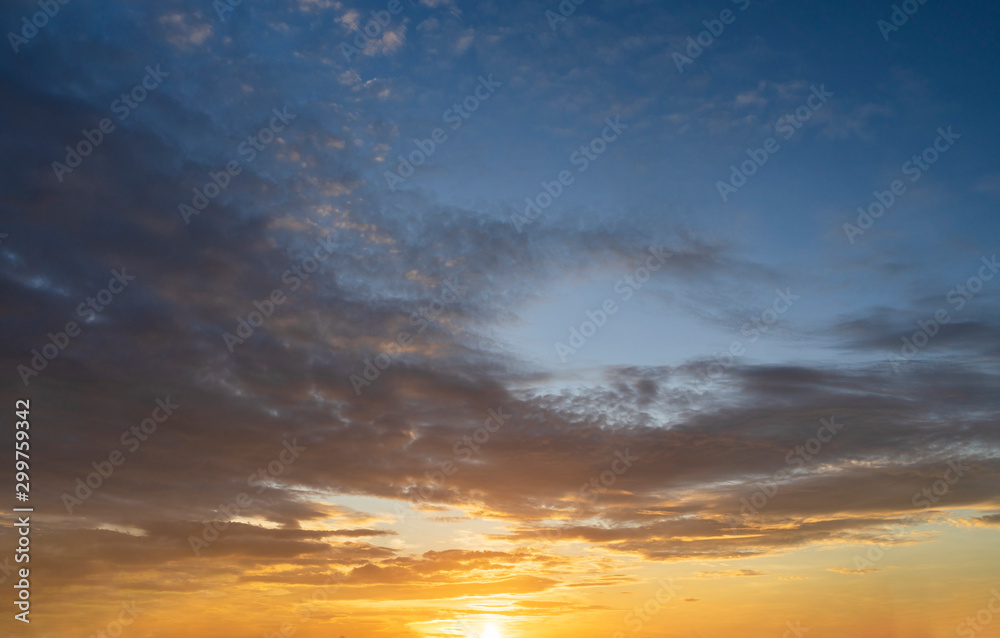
x,y
440,319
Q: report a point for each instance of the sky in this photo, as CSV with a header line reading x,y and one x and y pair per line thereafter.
x,y
437,319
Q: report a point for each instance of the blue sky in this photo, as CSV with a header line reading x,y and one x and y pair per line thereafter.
x,y
780,250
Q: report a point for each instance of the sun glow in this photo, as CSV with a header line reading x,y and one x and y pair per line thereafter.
x,y
491,631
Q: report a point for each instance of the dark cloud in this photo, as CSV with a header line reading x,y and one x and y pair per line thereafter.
x,y
699,446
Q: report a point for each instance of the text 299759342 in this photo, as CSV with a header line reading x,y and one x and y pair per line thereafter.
x,y
22,488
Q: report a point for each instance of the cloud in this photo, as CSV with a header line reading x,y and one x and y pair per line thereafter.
x,y
701,446
988,519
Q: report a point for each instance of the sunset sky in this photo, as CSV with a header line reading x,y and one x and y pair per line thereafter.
x,y
597,319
